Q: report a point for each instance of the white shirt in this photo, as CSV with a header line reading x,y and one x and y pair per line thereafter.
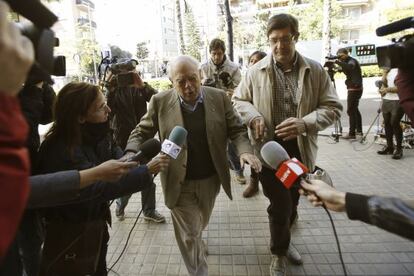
x,y
390,80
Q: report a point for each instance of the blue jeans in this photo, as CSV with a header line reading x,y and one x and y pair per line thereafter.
x,y
234,158
147,200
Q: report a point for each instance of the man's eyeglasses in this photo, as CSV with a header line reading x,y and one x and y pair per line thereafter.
x,y
282,40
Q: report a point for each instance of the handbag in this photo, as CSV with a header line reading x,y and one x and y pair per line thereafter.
x,y
72,249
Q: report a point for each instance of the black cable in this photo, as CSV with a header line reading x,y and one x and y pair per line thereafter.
x,y
126,243
337,240
129,234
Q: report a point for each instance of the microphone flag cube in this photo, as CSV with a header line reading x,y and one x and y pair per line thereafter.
x,y
289,171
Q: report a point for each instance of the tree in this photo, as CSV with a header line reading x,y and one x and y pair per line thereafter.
x,y
311,19
399,11
192,34
261,35
229,20
87,49
180,26
119,53
142,50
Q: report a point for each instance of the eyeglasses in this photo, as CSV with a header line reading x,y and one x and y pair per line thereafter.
x,y
282,40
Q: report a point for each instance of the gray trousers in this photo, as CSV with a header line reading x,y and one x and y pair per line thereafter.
x,y
190,217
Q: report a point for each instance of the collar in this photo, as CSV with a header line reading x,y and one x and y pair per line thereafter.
x,y
278,65
189,107
221,64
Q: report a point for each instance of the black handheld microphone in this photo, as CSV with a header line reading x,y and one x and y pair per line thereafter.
x,y
396,26
146,151
172,145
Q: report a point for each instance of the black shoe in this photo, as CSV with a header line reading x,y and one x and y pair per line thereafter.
x,y
349,136
398,153
386,150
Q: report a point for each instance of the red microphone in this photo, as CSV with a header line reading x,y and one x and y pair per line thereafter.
x,y
288,171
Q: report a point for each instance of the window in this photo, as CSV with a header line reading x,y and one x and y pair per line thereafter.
x,y
347,35
352,13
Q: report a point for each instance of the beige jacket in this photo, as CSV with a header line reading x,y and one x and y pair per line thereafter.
x,y
222,123
318,103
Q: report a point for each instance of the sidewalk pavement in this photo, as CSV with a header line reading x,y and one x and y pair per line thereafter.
x,y
238,234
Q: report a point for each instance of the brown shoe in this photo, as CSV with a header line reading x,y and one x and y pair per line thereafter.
x,y
253,187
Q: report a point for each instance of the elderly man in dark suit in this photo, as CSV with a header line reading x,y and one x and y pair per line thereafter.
x,y
192,181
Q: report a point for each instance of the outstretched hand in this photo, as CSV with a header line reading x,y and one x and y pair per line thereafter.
x,y
319,193
16,54
252,160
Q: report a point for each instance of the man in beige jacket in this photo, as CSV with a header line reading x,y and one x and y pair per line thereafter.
x,y
191,183
287,98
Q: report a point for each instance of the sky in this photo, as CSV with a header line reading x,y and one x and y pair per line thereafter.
x,y
122,22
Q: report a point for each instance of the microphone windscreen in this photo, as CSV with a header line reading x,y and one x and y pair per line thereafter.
x,y
150,148
178,135
273,154
396,26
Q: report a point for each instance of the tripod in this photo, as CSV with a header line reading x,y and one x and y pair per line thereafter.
x,y
337,121
376,119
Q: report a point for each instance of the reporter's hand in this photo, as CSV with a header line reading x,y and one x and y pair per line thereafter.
x,y
138,81
319,193
158,163
259,128
113,170
290,128
109,171
252,160
16,54
128,155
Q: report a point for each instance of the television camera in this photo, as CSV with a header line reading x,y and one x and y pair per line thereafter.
x,y
399,54
42,38
122,72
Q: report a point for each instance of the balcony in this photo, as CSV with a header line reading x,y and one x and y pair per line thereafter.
x,y
347,3
85,4
85,21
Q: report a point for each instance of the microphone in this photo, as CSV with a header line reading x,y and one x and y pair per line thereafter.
x,y
396,26
288,171
172,145
146,151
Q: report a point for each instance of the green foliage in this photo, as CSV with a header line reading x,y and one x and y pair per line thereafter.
x,y
142,50
261,42
371,71
118,52
161,84
192,33
86,48
311,19
399,11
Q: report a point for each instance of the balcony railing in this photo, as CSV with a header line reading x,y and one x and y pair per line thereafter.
x,y
85,21
87,3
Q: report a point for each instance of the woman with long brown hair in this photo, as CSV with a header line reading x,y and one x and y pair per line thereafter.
x,y
80,138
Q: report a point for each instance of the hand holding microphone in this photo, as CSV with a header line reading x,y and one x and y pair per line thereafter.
x,y
320,193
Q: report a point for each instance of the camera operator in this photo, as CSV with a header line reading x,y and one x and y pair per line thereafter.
x,y
352,70
36,100
392,113
221,73
128,102
16,58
